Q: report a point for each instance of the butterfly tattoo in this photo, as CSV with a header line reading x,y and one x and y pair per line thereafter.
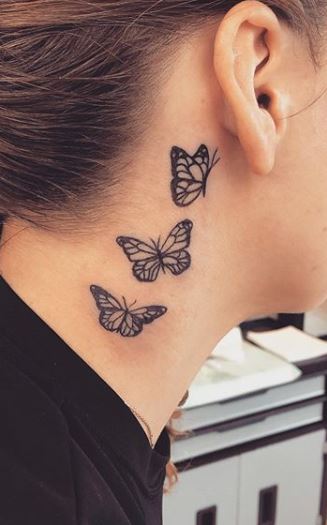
x,y
150,258
119,318
190,174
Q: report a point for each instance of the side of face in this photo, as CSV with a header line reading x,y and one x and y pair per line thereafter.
x,y
275,158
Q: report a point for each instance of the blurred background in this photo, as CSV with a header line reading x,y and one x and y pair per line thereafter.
x,y
250,443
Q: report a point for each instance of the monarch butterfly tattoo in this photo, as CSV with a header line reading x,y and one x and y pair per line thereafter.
x,y
119,318
150,258
190,174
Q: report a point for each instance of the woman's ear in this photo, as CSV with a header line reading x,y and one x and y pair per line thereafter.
x,y
247,52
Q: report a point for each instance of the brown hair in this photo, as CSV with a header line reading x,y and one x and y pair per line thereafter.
x,y
78,84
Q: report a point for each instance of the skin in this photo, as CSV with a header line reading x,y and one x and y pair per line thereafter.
x,y
259,242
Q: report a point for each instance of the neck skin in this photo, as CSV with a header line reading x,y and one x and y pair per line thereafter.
x,y
152,371
225,284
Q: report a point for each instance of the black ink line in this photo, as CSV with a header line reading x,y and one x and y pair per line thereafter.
x,y
119,318
150,259
190,174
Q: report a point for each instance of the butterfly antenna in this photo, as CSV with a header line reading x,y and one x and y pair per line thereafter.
x,y
213,163
125,304
154,243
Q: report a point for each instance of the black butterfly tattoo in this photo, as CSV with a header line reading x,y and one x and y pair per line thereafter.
x,y
149,259
190,174
119,318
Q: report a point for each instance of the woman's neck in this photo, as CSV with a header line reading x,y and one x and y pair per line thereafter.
x,y
151,370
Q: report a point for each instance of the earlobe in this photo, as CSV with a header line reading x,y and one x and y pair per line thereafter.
x,y
247,51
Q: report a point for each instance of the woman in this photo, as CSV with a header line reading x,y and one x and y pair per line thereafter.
x,y
162,180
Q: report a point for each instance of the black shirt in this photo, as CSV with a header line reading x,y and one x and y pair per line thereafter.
x,y
71,451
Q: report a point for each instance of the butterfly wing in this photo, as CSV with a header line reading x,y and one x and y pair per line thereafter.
x,y
177,262
179,238
189,174
112,313
116,318
201,157
135,319
147,314
131,325
173,251
145,257
147,270
104,299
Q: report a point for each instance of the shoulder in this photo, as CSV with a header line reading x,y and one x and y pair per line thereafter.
x,y
35,462
24,403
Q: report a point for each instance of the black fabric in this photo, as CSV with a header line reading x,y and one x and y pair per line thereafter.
x,y
71,451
